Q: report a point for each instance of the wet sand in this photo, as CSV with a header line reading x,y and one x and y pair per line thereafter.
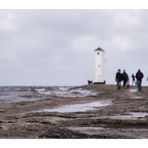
x,y
126,116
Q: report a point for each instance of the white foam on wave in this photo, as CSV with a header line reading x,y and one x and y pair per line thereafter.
x,y
40,90
79,107
68,92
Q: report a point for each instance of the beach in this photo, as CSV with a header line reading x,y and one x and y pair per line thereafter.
x,y
105,113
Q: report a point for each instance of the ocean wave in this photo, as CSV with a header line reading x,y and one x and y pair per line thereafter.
x,y
16,94
68,92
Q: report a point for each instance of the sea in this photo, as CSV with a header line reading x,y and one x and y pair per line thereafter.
x,y
10,94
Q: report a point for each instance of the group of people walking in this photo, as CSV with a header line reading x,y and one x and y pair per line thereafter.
x,y
137,79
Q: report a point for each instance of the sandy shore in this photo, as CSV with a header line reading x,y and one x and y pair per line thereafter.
x,y
126,116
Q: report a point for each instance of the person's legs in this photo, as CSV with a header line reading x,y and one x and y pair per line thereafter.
x,y
124,83
139,85
134,83
118,85
127,84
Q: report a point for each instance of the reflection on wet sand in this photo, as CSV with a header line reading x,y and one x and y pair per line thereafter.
x,y
79,107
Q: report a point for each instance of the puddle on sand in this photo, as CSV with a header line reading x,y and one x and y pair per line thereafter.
x,y
138,114
133,90
87,130
131,115
137,97
79,107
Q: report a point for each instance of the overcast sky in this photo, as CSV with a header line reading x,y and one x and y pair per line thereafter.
x,y
55,47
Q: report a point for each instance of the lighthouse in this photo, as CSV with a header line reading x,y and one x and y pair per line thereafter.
x,y
98,68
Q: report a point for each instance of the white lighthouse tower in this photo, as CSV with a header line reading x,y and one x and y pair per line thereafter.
x,y
99,61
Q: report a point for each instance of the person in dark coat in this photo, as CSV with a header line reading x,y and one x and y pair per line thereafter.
x,y
118,79
125,79
139,77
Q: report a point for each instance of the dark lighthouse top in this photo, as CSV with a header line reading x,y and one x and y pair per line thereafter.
x,y
99,49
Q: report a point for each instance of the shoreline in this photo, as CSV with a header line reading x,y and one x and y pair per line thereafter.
x,y
18,119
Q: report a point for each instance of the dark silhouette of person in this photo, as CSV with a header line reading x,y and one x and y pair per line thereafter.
x,y
139,77
125,79
118,79
133,79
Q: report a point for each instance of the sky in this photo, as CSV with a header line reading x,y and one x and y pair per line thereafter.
x,y
56,47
